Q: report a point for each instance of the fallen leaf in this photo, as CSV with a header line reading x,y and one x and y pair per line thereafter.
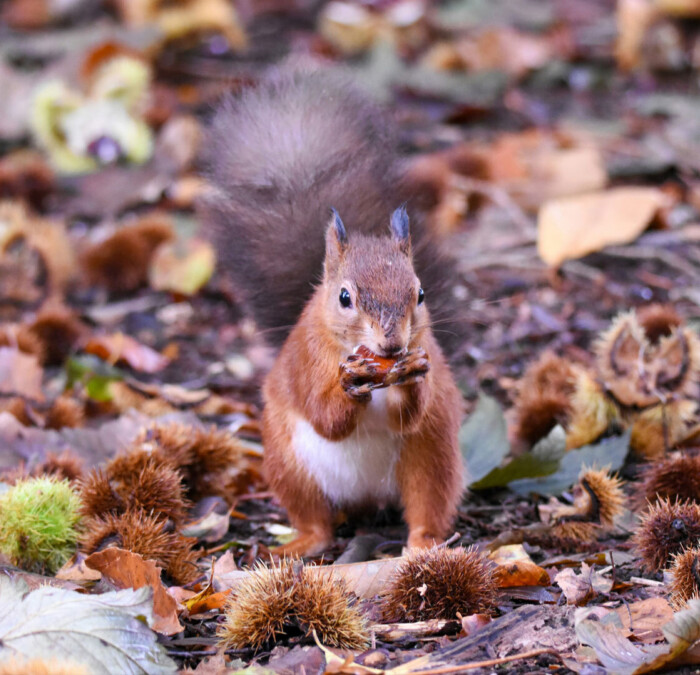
x,y
580,589
646,618
76,570
125,569
572,227
182,266
516,568
211,522
623,657
634,18
20,373
103,632
483,439
610,452
118,347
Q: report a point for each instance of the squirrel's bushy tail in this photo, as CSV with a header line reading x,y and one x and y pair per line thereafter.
x,y
279,157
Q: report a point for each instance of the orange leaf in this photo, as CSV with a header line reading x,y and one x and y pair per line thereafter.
x,y
125,569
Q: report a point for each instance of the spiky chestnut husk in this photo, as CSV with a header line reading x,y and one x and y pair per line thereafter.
x,y
25,174
19,666
217,457
639,373
437,583
57,330
571,535
18,408
665,529
286,600
618,351
663,427
65,412
135,480
97,495
677,477
599,496
209,459
544,397
65,465
148,535
38,523
592,412
120,263
658,321
685,577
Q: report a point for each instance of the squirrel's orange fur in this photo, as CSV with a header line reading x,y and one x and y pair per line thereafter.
x,y
335,438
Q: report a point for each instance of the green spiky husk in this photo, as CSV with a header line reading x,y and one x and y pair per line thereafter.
x,y
39,521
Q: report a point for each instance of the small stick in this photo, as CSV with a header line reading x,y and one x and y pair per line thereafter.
x,y
646,582
482,664
450,541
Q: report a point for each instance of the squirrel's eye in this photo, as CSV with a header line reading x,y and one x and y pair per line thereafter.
x,y
345,300
421,295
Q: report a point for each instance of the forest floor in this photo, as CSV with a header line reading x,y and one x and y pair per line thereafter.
x,y
527,121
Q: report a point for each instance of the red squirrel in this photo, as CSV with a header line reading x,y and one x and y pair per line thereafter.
x,y
293,161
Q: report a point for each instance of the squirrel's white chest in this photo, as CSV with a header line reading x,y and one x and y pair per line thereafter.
x,y
360,468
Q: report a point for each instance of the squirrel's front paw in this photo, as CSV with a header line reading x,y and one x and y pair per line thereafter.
x,y
358,377
410,369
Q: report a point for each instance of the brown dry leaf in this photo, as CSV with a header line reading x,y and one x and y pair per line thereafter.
x,y
521,573
509,50
580,589
473,623
206,600
35,581
20,374
534,166
348,26
365,579
76,570
123,348
125,569
634,18
211,524
214,665
645,618
572,227
681,8
516,568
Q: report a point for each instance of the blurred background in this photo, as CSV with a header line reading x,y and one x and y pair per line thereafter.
x,y
555,142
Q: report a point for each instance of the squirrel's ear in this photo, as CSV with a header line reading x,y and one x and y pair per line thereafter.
x,y
336,238
399,228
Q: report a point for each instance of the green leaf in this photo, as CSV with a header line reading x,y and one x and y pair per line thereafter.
x,y
483,438
610,452
104,633
523,466
94,374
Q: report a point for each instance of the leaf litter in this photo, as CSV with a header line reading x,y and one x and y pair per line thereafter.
x,y
560,165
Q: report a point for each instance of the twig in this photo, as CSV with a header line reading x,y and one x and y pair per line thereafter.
x,y
394,632
448,542
641,581
473,665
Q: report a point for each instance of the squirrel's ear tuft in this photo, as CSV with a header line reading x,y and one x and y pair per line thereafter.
x,y
399,227
336,239
338,228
